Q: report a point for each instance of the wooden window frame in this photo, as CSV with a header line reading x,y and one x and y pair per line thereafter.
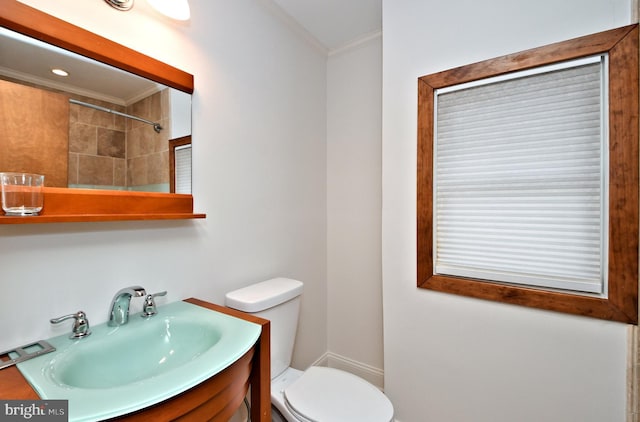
x,y
621,303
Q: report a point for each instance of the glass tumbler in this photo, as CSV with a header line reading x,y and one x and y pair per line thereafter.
x,y
22,193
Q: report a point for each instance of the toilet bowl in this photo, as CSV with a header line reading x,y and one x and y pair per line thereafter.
x,y
318,394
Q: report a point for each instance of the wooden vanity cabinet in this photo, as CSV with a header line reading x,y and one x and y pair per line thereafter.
x,y
215,399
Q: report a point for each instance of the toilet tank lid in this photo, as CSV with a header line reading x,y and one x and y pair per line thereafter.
x,y
264,295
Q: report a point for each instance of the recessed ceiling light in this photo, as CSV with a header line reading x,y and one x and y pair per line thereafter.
x,y
60,72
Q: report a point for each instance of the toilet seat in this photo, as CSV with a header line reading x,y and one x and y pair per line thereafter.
x,y
330,395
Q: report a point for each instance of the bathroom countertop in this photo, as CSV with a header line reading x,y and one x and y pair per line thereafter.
x,y
13,386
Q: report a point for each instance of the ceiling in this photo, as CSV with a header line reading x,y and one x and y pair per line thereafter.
x,y
335,23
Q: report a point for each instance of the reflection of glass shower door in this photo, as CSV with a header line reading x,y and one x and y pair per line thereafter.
x,y
34,124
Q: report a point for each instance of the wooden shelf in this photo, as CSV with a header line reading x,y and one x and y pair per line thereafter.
x,y
83,205
95,217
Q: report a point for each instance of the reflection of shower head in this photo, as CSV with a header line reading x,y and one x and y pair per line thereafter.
x,y
157,127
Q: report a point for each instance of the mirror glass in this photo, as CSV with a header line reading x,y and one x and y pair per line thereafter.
x,y
98,127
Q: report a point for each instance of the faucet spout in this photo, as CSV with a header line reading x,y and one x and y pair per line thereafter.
x,y
119,309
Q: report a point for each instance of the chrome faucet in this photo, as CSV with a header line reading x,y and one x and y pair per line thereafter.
x,y
119,310
80,324
149,307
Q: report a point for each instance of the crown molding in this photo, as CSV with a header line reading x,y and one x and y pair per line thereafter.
x,y
351,45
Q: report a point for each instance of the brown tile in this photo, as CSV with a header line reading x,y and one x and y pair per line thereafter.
x,y
160,141
73,169
120,122
149,108
99,118
155,107
165,101
111,143
166,128
90,116
119,172
83,138
137,171
158,168
140,141
73,113
94,170
138,109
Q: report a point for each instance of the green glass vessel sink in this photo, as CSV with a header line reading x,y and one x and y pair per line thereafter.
x,y
118,370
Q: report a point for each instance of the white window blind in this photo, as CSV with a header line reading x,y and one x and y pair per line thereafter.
x,y
520,178
183,169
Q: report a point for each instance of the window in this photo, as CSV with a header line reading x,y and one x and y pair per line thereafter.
x,y
528,178
183,169
180,165
519,165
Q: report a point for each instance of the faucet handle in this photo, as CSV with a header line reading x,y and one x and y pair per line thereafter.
x,y
149,308
80,325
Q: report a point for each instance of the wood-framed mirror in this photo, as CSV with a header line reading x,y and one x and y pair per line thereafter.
x,y
64,204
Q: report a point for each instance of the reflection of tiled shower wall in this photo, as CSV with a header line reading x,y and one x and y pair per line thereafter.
x,y
108,150
148,151
97,145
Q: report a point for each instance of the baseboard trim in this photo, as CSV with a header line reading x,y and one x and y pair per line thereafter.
x,y
333,360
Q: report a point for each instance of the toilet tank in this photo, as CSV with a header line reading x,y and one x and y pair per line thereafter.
x,y
277,300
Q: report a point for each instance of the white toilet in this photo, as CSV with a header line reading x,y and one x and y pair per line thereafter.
x,y
318,394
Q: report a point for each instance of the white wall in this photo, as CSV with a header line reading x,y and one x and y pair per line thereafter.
x,y
354,200
259,124
180,114
450,358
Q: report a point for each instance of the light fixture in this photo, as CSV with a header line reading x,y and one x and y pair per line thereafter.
x,y
175,9
59,72
120,4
